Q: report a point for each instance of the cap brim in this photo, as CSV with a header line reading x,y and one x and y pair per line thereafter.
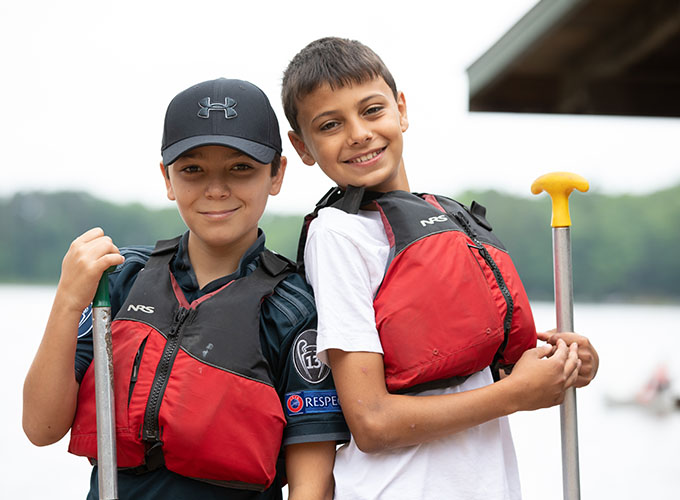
x,y
257,151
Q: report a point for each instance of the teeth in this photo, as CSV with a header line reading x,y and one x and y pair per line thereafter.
x,y
365,157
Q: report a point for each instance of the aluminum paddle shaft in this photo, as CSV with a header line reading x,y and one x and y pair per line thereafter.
x,y
559,186
103,379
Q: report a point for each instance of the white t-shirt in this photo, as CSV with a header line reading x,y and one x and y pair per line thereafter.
x,y
345,260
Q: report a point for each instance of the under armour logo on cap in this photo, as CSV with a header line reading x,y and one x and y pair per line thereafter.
x,y
194,119
227,107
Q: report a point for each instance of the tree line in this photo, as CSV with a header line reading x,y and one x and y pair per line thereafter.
x,y
624,248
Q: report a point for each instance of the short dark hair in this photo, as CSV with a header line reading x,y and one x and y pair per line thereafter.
x,y
338,62
276,164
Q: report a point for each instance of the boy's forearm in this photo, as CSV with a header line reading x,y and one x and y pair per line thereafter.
x,y
409,420
309,469
452,413
380,420
50,388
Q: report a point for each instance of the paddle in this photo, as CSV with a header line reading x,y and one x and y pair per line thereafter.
x,y
559,186
103,379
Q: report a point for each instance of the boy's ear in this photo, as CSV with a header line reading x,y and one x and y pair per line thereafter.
x,y
301,148
277,180
403,115
168,185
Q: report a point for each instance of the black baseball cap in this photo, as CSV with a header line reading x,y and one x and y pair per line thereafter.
x,y
224,112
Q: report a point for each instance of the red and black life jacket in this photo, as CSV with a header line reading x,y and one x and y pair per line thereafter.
x,y
451,302
192,388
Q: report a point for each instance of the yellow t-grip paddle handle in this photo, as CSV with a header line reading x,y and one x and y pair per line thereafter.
x,y
559,186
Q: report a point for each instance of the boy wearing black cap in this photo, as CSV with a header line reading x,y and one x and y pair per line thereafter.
x,y
213,335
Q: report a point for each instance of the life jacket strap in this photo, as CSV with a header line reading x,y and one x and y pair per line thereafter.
x,y
153,459
352,200
434,384
478,212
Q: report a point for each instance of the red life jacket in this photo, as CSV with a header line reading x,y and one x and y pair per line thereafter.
x,y
451,302
192,388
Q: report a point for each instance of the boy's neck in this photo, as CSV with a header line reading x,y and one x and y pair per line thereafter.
x,y
397,183
210,263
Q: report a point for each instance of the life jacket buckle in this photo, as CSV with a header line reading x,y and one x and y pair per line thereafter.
x,y
153,458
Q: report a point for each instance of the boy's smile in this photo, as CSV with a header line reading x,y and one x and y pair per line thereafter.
x,y
364,159
221,194
354,133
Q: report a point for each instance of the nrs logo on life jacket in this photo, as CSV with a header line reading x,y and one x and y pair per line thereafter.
x,y
432,220
141,308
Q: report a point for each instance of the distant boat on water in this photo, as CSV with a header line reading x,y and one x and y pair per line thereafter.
x,y
656,395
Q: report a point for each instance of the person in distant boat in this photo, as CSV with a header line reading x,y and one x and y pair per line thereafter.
x,y
657,393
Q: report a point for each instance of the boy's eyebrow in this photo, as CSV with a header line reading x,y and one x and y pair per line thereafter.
x,y
359,104
321,115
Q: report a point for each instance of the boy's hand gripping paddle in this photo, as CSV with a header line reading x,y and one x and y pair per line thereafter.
x,y
559,186
103,379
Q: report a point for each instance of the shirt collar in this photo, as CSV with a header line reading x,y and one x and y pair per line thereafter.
x,y
186,277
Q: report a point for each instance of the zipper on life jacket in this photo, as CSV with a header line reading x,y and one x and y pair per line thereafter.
x,y
135,369
507,321
151,431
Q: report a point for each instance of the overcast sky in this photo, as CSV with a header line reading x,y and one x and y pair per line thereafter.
x,y
85,86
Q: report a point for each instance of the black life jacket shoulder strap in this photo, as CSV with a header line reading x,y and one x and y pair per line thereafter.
x,y
163,253
276,264
350,201
333,195
166,246
478,212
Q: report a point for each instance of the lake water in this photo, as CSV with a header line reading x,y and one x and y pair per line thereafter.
x,y
626,452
